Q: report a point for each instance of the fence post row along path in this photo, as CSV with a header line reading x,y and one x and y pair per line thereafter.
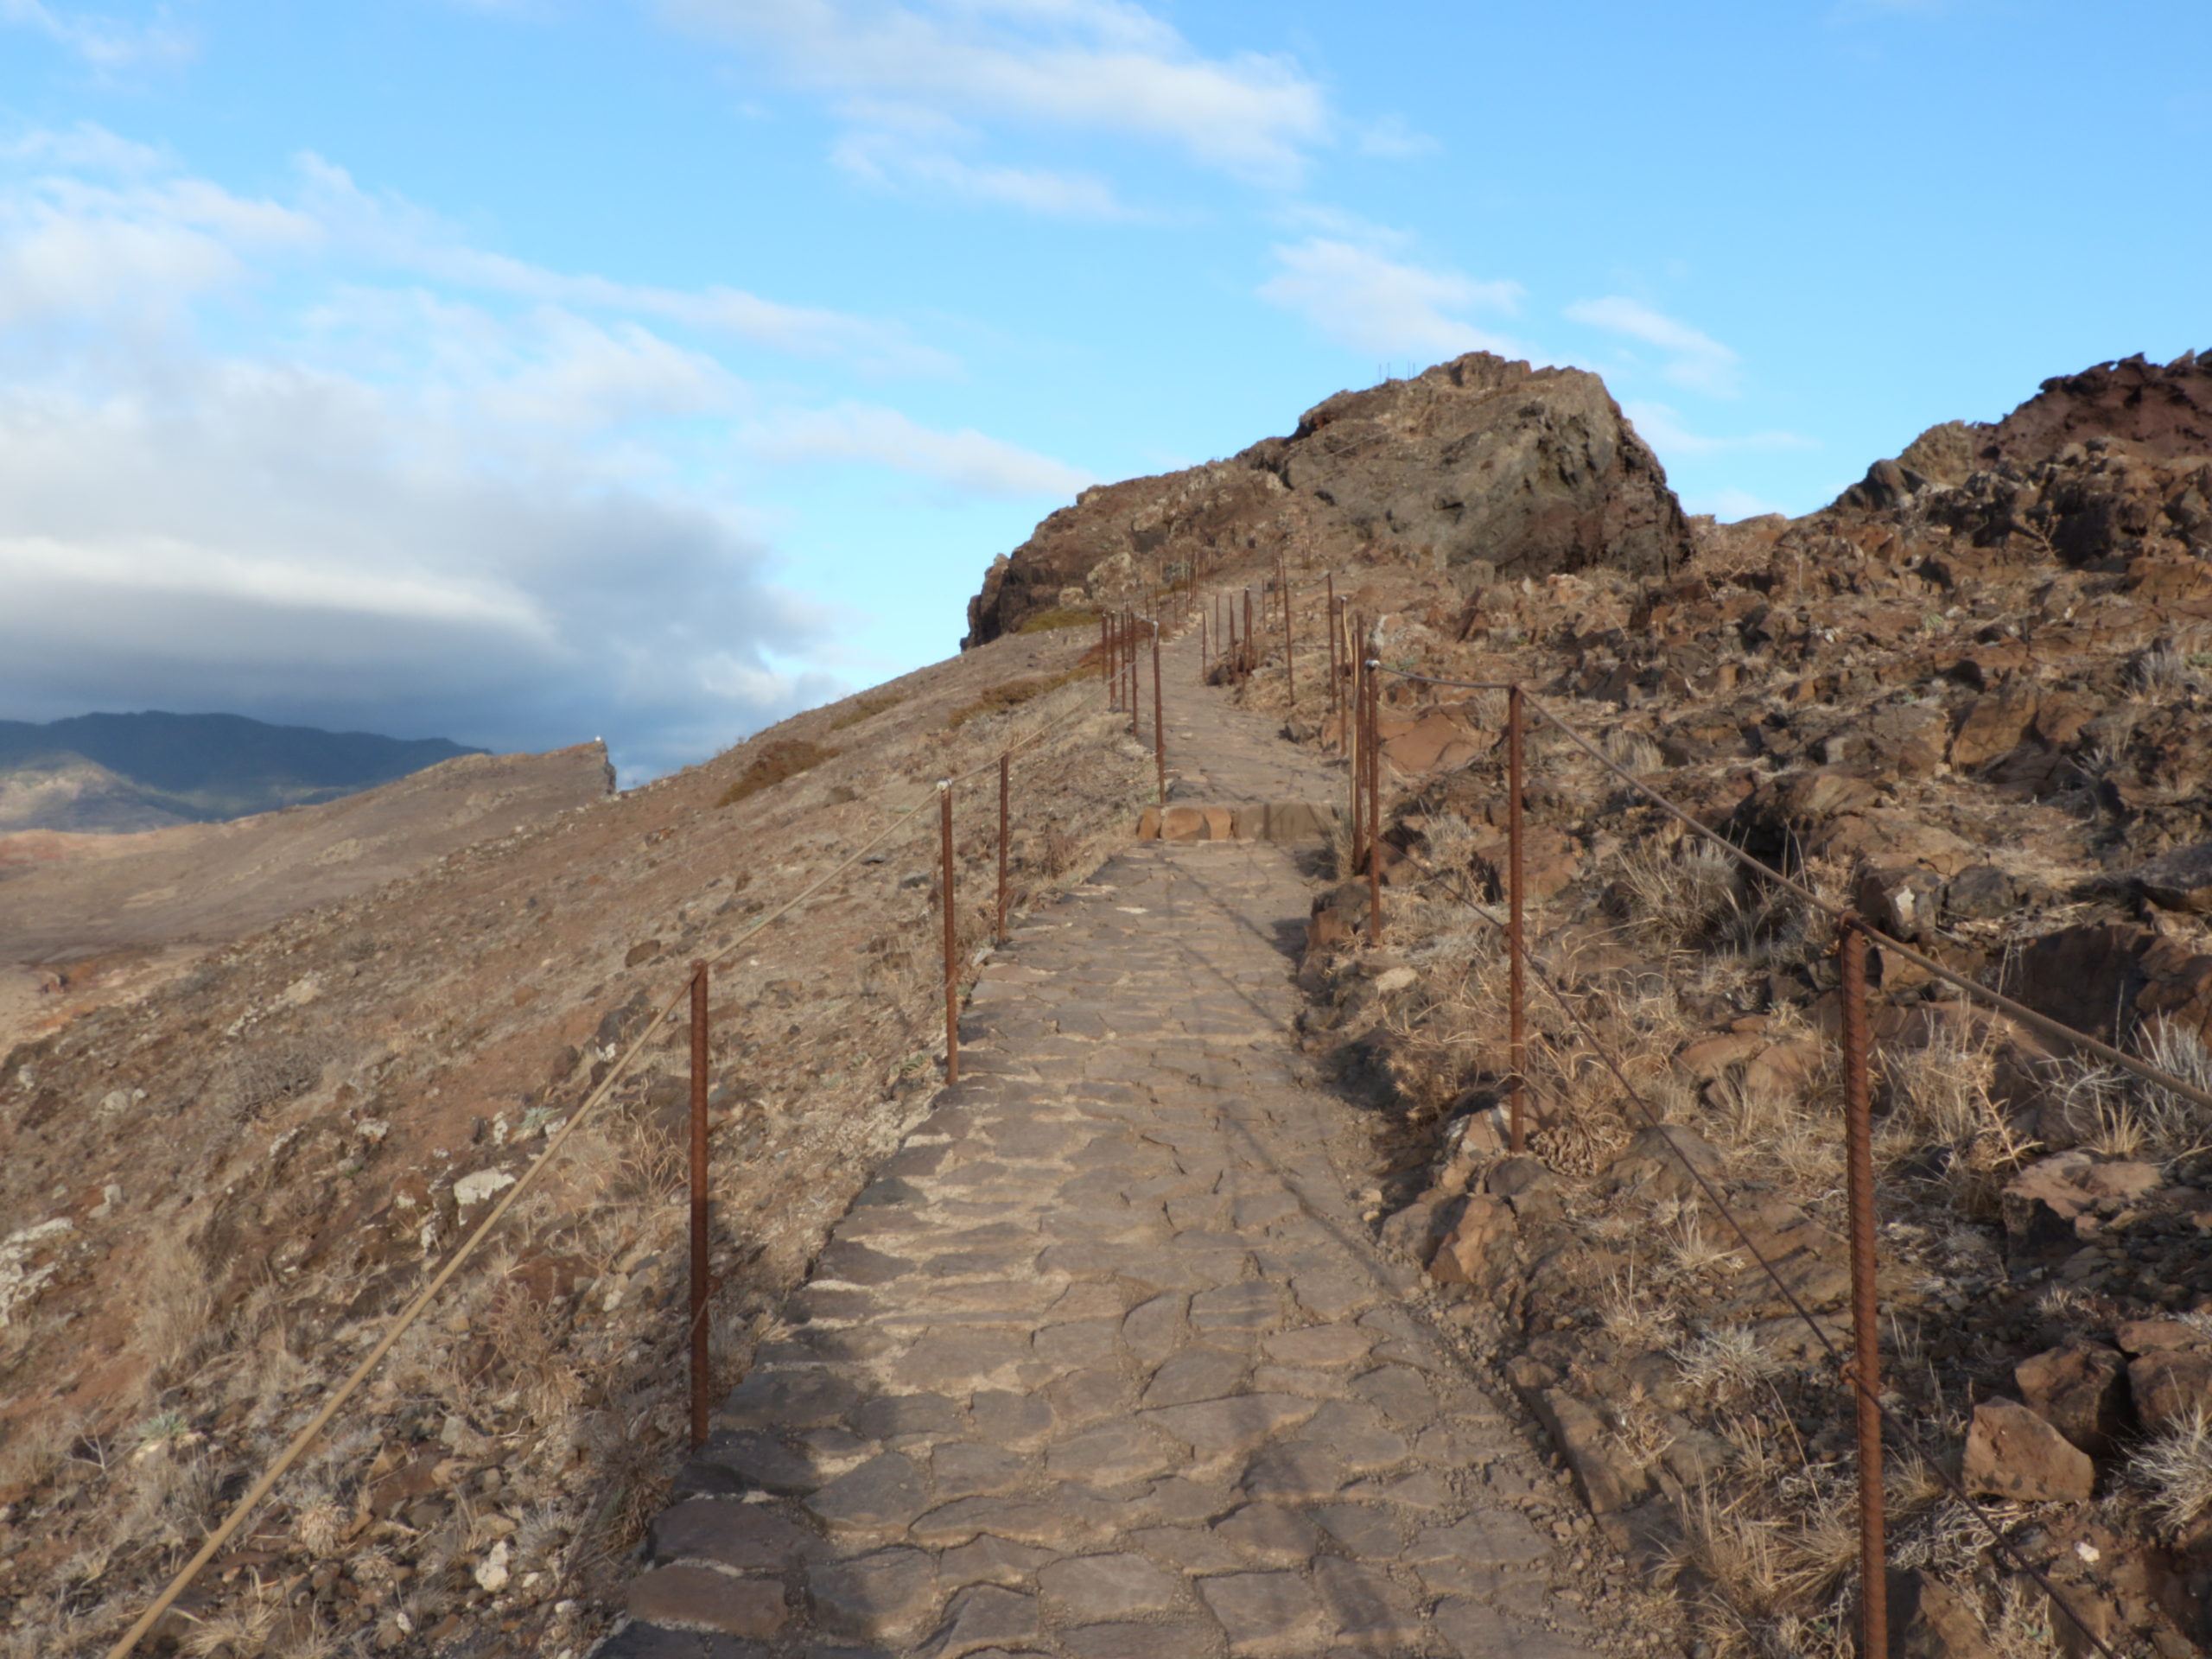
x,y
1104,1361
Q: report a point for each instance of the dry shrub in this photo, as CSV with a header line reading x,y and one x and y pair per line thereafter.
x,y
176,1322
526,1336
239,1631
1012,694
175,1495
1632,752
783,759
1942,1116
272,1070
1686,902
866,708
36,1448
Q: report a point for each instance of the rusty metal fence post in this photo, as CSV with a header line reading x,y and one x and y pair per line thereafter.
x,y
1374,804
1866,1309
951,939
1251,657
1159,723
1202,644
1336,703
1289,674
1516,938
702,1368
1129,657
1000,932
1356,700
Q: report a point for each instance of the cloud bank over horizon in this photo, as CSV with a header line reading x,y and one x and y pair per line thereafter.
x,y
435,492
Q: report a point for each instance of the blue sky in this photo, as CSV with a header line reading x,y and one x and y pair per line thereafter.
x,y
528,371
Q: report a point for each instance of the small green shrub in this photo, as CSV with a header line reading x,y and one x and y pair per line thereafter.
x,y
1044,621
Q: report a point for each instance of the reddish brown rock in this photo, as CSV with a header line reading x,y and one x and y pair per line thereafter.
x,y
1930,1620
1480,1245
1901,900
2180,880
1609,1481
2159,1336
2041,1203
1998,723
2169,1384
2012,1453
2079,1391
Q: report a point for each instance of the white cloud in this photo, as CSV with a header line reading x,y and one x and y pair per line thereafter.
x,y
1090,65
967,459
1662,427
407,238
881,158
105,43
71,246
1373,304
413,486
1695,360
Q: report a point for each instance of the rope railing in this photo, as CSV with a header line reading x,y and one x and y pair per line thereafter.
x,y
1858,1372
507,1200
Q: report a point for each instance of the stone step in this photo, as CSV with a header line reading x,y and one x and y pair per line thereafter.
x,y
1285,821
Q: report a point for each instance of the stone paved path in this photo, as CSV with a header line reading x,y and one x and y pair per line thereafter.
x,y
1218,753
1103,1364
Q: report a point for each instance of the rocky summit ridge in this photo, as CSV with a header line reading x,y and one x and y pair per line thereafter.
x,y
1526,471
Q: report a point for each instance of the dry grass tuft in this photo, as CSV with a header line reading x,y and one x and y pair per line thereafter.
x,y
2175,1468
785,758
2175,1126
1632,752
1727,1361
1684,902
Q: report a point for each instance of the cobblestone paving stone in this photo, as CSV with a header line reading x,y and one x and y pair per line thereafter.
x,y
1102,1363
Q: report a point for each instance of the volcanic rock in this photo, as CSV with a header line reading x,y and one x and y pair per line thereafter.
x,y
1478,464
2012,1453
2081,1391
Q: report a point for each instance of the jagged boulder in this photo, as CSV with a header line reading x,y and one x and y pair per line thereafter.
x,y
1478,463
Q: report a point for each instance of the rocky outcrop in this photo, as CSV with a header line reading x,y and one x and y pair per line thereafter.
x,y
1528,471
2109,463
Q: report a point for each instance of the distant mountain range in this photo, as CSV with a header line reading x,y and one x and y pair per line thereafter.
x,y
114,773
